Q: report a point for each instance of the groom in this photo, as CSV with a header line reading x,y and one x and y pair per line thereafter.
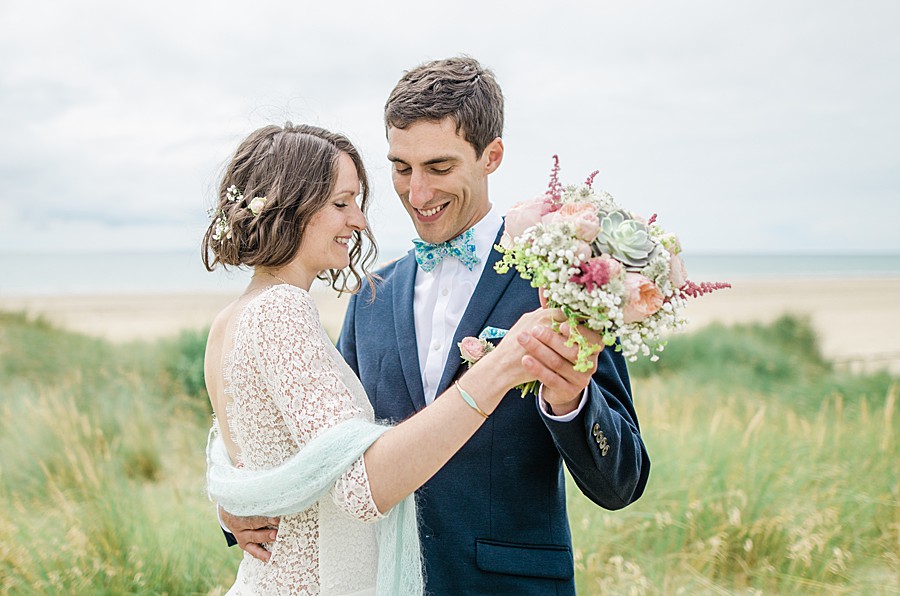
x,y
493,520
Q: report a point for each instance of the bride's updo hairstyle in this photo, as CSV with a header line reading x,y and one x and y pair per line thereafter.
x,y
278,179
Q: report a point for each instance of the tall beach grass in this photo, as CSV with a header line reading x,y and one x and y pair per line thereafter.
x,y
773,473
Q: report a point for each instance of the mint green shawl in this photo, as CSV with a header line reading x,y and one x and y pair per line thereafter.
x,y
304,479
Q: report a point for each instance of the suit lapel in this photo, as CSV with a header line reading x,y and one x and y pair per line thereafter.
x,y
485,297
405,327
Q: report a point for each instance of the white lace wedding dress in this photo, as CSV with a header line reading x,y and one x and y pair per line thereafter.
x,y
285,383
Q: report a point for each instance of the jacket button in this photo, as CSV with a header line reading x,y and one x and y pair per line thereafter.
x,y
596,430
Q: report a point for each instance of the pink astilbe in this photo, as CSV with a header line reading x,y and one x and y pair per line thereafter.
x,y
590,179
555,189
695,290
597,272
651,220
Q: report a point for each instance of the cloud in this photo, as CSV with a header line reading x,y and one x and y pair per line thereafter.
x,y
739,123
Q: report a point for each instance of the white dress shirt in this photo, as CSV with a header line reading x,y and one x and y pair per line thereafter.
x,y
440,299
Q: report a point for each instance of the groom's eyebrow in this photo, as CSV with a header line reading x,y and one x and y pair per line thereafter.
x,y
430,162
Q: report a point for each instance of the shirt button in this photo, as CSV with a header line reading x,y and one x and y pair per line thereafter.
x,y
435,346
445,291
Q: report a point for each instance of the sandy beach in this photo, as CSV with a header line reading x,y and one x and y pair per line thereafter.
x,y
858,320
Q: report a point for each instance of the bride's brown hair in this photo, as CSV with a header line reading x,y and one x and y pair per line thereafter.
x,y
295,169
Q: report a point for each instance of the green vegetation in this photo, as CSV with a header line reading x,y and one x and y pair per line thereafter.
x,y
102,467
773,472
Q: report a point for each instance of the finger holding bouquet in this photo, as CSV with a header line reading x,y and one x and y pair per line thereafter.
x,y
552,361
520,352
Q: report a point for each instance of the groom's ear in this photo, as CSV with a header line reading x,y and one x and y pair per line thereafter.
x,y
494,155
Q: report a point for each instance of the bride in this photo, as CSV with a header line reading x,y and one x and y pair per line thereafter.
x,y
292,206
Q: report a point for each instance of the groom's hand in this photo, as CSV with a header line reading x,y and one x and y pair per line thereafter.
x,y
252,532
552,363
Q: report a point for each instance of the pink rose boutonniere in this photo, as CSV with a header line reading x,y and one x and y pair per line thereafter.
x,y
473,349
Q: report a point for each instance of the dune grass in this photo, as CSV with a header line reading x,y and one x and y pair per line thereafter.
x,y
772,471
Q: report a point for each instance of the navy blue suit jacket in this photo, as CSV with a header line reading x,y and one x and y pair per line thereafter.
x,y
493,519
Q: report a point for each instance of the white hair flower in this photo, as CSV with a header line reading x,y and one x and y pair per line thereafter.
x,y
256,205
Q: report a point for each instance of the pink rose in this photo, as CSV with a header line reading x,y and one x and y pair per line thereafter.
x,y
597,272
472,349
677,272
642,298
523,215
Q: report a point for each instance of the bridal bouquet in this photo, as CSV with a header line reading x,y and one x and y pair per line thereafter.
x,y
607,268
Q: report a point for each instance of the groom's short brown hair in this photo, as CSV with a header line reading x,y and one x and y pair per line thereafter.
x,y
456,87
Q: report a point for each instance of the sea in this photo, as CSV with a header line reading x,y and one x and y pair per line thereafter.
x,y
161,273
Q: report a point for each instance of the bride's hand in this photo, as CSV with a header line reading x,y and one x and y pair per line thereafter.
x,y
508,355
251,532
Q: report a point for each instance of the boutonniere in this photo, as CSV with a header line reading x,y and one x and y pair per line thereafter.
x,y
473,349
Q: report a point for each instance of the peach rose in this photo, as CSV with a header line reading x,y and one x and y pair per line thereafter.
x,y
581,215
642,298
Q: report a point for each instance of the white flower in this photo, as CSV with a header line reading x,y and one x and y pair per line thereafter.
x,y
233,194
256,205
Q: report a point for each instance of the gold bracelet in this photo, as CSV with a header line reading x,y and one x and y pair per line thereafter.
x,y
468,399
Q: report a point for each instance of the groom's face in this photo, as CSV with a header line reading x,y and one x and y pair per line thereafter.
x,y
439,179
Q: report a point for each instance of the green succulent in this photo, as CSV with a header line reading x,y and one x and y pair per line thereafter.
x,y
625,239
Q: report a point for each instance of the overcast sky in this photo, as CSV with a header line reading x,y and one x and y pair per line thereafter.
x,y
754,126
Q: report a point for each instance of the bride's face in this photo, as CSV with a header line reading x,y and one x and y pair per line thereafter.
x,y
325,243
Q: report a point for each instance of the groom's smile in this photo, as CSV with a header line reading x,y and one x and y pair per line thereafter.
x,y
438,177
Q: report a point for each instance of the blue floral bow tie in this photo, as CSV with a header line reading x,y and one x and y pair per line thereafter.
x,y
462,247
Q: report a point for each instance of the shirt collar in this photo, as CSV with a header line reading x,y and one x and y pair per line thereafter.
x,y
485,233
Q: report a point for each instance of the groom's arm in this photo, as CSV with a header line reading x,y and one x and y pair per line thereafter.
x,y
601,444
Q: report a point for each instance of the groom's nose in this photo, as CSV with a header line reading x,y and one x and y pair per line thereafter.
x,y
420,192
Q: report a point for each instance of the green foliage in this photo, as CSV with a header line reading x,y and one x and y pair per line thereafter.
x,y
772,473
781,360
101,473
183,361
767,477
35,351
783,352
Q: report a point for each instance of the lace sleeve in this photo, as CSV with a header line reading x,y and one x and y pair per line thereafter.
x,y
307,386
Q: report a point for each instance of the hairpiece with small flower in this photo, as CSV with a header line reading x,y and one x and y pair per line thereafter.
x,y
233,195
606,268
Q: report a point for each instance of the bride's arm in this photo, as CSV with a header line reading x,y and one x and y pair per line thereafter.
x,y
405,457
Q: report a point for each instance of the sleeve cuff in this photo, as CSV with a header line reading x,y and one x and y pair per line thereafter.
x,y
544,408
